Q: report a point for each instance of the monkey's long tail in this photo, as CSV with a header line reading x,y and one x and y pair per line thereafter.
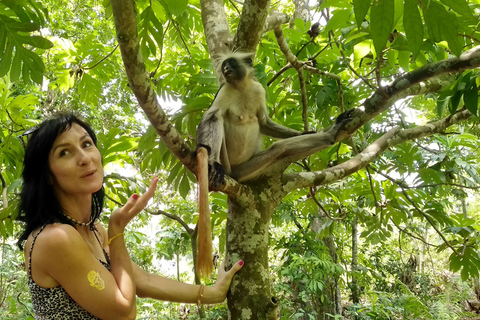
x,y
204,252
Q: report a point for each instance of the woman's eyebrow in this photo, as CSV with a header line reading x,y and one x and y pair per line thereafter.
x,y
66,144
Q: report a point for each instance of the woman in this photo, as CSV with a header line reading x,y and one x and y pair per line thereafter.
x,y
77,269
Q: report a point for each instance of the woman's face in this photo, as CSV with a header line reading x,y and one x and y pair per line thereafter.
x,y
75,164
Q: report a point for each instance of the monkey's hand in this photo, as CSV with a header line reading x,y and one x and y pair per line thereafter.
x,y
216,174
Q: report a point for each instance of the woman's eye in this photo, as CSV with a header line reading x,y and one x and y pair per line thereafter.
x,y
87,144
63,153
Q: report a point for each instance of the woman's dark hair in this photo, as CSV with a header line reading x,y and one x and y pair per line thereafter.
x,y
38,203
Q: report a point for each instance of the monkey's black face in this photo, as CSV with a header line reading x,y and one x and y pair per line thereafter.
x,y
233,70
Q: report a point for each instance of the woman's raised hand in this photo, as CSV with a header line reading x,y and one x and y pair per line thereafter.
x,y
224,279
135,204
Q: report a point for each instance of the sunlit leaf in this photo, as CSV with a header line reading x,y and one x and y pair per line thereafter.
x,y
412,22
381,25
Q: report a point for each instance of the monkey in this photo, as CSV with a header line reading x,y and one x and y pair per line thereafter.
x,y
231,131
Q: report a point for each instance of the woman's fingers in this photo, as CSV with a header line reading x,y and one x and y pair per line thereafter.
x,y
237,266
135,204
142,201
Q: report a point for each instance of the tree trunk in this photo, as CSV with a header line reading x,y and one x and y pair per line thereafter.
x,y
333,304
247,239
355,291
336,306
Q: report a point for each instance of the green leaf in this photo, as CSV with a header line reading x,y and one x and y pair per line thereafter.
x,y
36,41
470,97
459,6
442,103
90,89
442,25
381,15
300,25
184,186
6,58
339,20
177,7
412,22
459,90
404,60
14,25
151,29
16,68
9,225
3,231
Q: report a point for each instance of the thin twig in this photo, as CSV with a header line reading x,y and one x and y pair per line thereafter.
x,y
312,194
431,222
303,90
469,37
371,188
355,71
405,186
161,52
103,59
340,95
279,73
413,235
233,4
175,24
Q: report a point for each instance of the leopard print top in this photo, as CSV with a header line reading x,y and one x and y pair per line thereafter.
x,y
55,303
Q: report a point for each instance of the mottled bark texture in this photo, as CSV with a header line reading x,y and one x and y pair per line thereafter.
x,y
247,238
302,11
251,24
215,25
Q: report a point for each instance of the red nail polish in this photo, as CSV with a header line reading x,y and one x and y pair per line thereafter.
x,y
241,262
135,196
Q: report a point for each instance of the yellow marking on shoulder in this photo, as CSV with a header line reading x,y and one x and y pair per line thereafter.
x,y
95,280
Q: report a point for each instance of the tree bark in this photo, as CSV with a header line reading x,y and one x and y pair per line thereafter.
x,y
355,291
250,296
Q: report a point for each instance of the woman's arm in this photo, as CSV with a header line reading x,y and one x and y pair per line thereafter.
x,y
161,288
61,254
157,287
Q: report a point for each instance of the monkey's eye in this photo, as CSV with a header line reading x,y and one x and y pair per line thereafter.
x,y
249,61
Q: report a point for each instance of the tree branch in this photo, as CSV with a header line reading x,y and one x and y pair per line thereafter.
x,y
393,137
173,217
251,25
127,36
342,217
274,20
215,25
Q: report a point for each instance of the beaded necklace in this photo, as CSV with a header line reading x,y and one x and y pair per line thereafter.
x,y
84,224
78,223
